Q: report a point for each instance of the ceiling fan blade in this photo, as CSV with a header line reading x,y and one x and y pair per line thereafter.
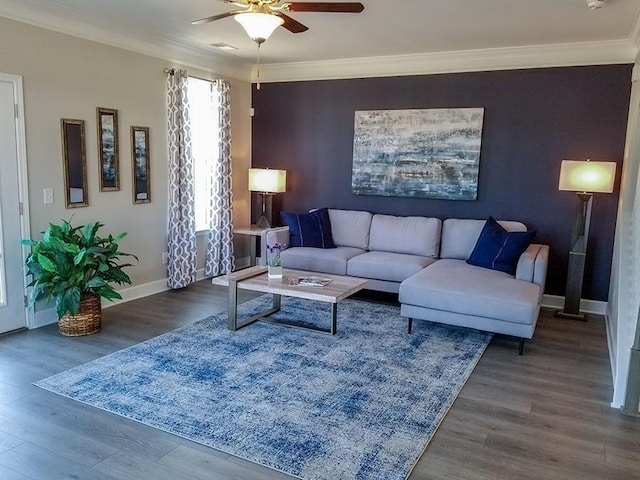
x,y
217,17
334,7
290,24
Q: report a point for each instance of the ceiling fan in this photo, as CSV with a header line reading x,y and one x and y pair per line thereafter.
x,y
261,17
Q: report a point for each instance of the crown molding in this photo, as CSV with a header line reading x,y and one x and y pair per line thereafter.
x,y
174,50
543,56
634,38
165,48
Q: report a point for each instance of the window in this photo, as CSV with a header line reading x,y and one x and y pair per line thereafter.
x,y
205,136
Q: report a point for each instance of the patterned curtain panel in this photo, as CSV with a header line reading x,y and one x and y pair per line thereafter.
x,y
220,259
181,268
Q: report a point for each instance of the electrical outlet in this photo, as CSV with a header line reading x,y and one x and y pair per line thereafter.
x,y
165,258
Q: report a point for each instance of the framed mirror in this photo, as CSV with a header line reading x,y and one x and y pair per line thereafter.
x,y
74,160
141,164
108,149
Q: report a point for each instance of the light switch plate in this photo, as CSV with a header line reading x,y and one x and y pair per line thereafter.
x,y
48,196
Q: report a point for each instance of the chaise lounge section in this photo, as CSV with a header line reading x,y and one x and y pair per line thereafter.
x,y
453,292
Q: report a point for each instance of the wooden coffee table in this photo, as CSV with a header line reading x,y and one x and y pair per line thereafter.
x,y
256,279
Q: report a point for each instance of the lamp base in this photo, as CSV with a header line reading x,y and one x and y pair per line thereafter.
x,y
571,316
263,222
577,256
266,208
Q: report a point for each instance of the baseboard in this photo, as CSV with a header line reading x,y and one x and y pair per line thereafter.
x,y
48,315
586,306
44,317
612,348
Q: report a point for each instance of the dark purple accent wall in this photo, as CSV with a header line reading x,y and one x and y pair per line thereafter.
x,y
533,119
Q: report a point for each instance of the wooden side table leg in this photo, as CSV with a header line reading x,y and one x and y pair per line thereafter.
x,y
252,251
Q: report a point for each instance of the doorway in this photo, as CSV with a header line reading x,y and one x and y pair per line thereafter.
x,y
14,223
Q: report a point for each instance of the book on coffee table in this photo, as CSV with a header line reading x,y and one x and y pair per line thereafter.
x,y
309,281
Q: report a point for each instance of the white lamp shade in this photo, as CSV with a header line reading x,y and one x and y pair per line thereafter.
x,y
259,26
267,180
577,176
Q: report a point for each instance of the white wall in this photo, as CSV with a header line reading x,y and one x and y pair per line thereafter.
x,y
69,77
624,292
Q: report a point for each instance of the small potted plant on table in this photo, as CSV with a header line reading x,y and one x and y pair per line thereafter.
x,y
75,267
274,260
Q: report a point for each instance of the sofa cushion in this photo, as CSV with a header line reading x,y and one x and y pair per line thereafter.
x,y
393,267
332,260
311,229
350,228
498,249
459,236
455,286
410,235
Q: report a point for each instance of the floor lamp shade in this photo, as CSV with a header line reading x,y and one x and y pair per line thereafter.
x,y
585,178
594,177
267,182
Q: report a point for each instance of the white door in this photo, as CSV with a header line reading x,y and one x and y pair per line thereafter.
x,y
13,314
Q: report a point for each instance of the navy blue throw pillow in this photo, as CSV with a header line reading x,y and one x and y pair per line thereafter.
x,y
311,229
498,249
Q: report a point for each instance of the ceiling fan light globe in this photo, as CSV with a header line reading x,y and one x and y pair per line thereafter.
x,y
259,26
596,4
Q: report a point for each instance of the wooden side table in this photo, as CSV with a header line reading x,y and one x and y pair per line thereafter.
x,y
257,234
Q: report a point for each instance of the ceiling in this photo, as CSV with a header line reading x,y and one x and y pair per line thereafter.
x,y
387,28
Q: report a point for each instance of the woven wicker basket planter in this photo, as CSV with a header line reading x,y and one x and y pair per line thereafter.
x,y
88,320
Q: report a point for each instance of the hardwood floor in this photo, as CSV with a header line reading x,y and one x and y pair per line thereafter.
x,y
543,415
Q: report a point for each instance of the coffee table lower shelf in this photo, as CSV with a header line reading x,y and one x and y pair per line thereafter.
x,y
256,279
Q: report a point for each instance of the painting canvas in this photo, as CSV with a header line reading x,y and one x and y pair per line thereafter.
x,y
140,164
74,160
108,149
431,153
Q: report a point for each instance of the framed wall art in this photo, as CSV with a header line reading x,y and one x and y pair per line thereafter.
x,y
431,153
108,149
74,161
141,164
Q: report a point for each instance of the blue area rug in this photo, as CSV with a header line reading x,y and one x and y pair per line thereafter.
x,y
362,404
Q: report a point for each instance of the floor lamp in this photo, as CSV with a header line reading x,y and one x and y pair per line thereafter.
x,y
585,178
267,182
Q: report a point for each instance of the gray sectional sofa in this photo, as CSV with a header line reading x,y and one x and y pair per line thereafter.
x,y
423,260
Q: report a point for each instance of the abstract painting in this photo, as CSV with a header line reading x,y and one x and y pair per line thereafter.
x,y
140,164
108,149
431,153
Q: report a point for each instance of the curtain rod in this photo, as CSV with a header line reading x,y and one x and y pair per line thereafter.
x,y
173,71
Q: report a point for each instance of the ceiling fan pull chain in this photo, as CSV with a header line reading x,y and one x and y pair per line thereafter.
x,y
258,70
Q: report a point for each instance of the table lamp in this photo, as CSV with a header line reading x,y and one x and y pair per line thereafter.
x,y
585,178
267,182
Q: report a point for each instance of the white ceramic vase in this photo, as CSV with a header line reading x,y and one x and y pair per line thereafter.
x,y
275,272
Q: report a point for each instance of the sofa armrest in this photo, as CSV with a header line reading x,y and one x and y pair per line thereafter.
x,y
277,235
532,265
540,272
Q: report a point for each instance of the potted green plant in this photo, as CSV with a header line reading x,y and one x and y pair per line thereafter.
x,y
76,267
